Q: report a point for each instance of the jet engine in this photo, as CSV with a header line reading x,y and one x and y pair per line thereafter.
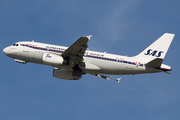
x,y
53,59
68,75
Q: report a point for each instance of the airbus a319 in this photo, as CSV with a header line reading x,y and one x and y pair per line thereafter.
x,y
72,62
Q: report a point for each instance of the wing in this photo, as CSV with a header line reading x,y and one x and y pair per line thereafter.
x,y
74,54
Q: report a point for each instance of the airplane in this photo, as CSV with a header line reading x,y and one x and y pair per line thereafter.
x,y
70,63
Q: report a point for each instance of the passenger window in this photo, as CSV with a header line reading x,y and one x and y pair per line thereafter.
x,y
16,44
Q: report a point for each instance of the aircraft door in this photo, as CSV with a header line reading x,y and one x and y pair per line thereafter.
x,y
129,64
25,49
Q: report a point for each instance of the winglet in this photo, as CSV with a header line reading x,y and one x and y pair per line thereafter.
x,y
118,80
89,36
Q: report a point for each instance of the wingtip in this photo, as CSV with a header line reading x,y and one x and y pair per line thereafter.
x,y
89,37
169,34
118,80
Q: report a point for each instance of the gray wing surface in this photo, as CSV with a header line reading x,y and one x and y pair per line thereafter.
x,y
76,51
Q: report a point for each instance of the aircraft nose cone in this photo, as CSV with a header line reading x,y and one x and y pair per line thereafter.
x,y
5,51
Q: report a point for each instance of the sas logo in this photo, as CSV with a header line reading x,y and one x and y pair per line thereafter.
x,y
155,53
48,56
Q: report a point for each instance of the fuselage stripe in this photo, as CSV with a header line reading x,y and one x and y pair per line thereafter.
x,y
91,56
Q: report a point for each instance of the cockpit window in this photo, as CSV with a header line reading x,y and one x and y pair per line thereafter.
x,y
15,44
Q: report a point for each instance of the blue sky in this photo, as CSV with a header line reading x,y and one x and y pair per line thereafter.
x,y
124,27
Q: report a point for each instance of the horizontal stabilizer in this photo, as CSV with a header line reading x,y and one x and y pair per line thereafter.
x,y
156,63
166,72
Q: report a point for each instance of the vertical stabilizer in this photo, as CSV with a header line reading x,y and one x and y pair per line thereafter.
x,y
158,49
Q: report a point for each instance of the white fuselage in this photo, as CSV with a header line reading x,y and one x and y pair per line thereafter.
x,y
104,63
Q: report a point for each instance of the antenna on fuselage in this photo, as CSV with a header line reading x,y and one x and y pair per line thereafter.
x,y
32,40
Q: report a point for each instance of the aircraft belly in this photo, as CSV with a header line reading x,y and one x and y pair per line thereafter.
x,y
116,68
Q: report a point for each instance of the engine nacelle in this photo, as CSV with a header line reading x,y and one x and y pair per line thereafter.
x,y
52,59
68,75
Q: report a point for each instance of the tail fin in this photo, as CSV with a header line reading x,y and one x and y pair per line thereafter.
x,y
158,49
